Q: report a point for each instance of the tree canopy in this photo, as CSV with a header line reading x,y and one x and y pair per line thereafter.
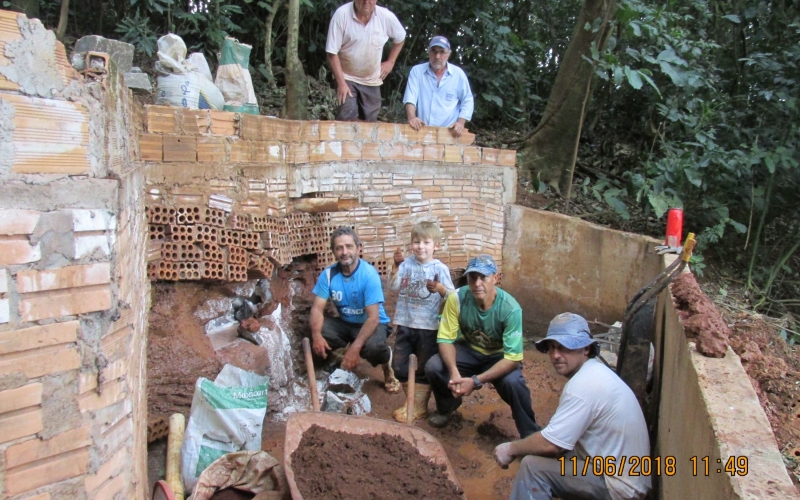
x,y
693,103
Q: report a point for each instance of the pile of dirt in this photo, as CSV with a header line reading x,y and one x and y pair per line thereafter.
x,y
774,369
338,465
701,319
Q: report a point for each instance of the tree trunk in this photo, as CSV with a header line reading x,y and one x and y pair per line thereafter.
x,y
268,44
28,7
550,151
296,86
62,20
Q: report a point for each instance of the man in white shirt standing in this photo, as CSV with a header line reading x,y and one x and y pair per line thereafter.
x,y
356,36
598,418
438,92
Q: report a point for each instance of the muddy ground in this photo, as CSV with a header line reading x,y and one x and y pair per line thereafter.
x,y
469,441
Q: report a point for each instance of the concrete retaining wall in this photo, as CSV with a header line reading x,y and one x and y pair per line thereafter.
x,y
554,263
710,409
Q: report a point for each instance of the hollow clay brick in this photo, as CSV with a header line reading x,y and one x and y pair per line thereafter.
x,y
433,152
490,156
110,468
223,123
210,149
386,132
21,397
466,138
452,154
65,277
195,121
151,147
445,136
64,303
180,148
160,119
37,449
64,467
507,158
250,127
472,155
25,423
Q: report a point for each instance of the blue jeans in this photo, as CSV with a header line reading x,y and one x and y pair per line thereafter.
x,y
511,387
413,341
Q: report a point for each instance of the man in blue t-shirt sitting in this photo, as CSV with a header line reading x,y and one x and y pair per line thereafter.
x,y
355,288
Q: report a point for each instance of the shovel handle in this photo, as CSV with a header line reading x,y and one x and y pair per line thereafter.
x,y
312,377
412,373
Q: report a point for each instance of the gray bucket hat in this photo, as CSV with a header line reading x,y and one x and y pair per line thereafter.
x,y
568,329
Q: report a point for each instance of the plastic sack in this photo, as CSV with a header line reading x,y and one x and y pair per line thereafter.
x,y
226,416
250,471
233,77
184,82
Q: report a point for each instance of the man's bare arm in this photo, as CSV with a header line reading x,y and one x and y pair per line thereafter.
x,y
535,444
388,64
315,320
353,354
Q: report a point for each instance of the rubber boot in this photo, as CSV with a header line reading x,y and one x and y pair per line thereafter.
x,y
422,393
390,382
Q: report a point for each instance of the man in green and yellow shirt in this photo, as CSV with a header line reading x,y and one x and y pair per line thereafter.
x,y
480,341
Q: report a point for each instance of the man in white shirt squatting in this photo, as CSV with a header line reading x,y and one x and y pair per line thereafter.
x,y
597,417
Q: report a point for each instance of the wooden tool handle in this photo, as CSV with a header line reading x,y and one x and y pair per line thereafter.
x,y
312,377
412,373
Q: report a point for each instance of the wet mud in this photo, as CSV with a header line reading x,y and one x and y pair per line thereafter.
x,y
701,319
337,466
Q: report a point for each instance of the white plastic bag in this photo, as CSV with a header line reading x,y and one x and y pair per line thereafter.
x,y
227,416
184,82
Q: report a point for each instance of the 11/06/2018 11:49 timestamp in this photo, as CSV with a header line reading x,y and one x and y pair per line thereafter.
x,y
649,466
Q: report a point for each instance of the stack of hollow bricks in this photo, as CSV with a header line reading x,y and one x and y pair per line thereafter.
x,y
468,207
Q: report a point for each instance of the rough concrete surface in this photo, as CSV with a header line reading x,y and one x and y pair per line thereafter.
x,y
38,193
33,60
120,52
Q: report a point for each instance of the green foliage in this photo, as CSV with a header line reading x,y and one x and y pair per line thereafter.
x,y
703,94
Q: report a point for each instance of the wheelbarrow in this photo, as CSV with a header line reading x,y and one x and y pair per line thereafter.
x,y
299,423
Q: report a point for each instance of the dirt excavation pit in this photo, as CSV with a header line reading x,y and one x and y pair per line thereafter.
x,y
338,465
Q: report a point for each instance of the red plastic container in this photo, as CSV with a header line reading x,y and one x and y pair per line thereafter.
x,y
674,227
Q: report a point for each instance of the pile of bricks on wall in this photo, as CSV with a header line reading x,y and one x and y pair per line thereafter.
x,y
182,135
73,283
253,168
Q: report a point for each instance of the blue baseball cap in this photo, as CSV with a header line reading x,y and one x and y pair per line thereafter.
x,y
439,41
568,329
483,264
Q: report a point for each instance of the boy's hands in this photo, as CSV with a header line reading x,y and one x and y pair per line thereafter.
x,y
433,285
398,256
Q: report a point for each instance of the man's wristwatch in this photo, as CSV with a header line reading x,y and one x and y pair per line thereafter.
x,y
477,382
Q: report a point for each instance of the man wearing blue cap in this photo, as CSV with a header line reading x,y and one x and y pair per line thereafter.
x,y
598,418
438,92
487,322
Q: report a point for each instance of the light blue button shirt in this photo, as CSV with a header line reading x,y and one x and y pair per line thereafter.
x,y
439,104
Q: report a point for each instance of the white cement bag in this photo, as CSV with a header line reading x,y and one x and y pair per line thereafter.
x,y
227,416
233,77
184,82
190,90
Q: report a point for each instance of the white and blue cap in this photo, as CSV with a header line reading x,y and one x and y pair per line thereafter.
x,y
483,264
568,329
439,41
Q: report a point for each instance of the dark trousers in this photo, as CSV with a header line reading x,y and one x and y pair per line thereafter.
x,y
413,341
339,333
511,387
364,105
